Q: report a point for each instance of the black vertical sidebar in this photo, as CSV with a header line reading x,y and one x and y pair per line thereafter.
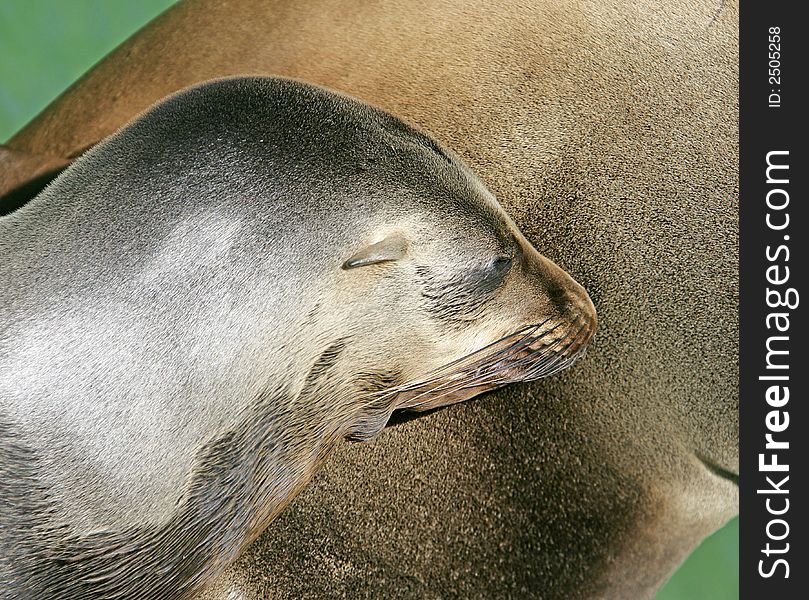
x,y
774,300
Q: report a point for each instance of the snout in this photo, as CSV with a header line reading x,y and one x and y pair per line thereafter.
x,y
568,315
556,321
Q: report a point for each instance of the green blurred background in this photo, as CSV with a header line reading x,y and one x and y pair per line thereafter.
x,y
45,45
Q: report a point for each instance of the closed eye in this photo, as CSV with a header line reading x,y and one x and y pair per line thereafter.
x,y
501,265
487,279
462,297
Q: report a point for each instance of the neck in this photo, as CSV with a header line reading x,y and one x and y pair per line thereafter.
x,y
239,483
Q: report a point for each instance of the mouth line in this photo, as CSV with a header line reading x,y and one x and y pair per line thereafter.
x,y
522,356
717,470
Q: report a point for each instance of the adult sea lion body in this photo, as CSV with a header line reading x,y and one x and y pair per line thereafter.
x,y
180,346
608,129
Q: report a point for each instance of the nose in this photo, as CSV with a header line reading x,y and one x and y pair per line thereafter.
x,y
565,295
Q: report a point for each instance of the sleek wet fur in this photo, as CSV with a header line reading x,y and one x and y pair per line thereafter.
x,y
200,307
608,130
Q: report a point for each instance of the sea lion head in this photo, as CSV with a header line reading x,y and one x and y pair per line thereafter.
x,y
468,304
434,295
410,281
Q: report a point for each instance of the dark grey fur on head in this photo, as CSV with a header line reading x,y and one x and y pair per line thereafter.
x,y
180,347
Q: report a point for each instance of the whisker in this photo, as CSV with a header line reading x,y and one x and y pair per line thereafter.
x,y
490,378
523,338
545,353
545,367
520,356
544,350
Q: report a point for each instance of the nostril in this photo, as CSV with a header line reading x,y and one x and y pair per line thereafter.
x,y
561,300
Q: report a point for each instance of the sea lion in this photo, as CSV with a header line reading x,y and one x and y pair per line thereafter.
x,y
609,131
201,306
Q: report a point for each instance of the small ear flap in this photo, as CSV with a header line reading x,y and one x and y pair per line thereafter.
x,y
393,247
